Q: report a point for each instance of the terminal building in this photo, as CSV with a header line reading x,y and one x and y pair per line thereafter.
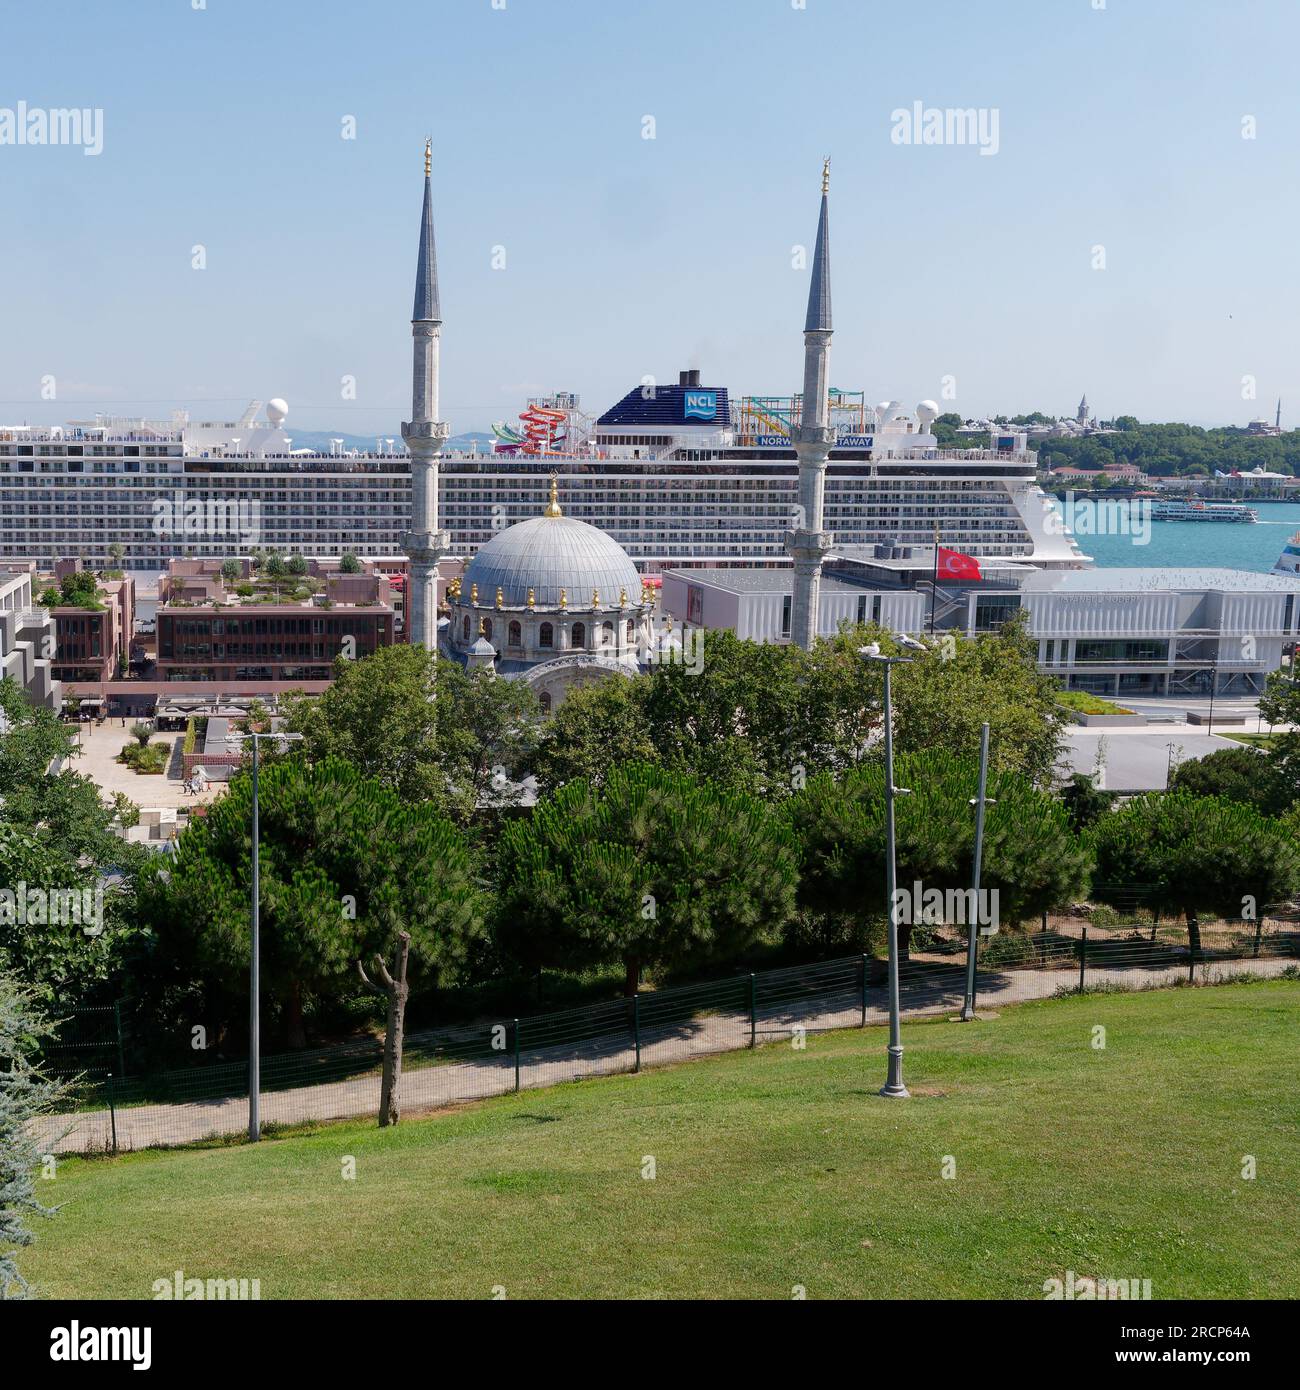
x,y
1112,632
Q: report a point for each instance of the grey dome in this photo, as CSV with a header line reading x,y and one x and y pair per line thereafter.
x,y
547,554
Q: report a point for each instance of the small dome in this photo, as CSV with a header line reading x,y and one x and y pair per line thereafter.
x,y
482,647
547,554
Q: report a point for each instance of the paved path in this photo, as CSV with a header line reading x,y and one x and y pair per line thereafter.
x,y
447,1083
100,745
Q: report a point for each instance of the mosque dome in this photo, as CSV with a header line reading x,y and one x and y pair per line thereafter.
x,y
546,554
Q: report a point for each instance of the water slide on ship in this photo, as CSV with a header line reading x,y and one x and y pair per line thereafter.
x,y
544,432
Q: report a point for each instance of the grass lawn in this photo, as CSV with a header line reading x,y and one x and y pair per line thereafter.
x,y
774,1168
1255,740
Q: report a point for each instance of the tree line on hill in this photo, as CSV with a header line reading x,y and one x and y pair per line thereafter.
x,y
1160,450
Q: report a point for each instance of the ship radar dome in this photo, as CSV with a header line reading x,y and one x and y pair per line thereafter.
x,y
927,412
276,410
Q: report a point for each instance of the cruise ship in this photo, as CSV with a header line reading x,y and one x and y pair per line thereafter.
x,y
680,475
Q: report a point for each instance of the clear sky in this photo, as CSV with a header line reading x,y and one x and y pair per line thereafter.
x,y
1119,127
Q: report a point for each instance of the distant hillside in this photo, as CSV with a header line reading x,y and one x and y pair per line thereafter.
x,y
323,440
1160,450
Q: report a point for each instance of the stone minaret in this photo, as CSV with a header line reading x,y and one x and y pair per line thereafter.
x,y
807,544
425,435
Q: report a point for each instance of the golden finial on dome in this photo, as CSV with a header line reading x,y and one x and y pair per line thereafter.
x,y
564,598
595,600
500,597
622,598
473,594
826,174
553,507
532,597
482,627
428,156
453,587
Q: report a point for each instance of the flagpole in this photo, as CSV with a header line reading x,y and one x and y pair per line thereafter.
x,y
934,581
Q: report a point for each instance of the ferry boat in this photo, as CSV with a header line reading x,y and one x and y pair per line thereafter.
x,y
1229,512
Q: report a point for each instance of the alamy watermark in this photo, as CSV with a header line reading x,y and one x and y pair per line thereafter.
x,y
39,125
239,518
1096,516
920,124
1084,1288
933,907
53,907
177,1287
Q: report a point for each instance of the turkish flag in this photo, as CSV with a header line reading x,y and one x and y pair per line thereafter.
x,y
954,565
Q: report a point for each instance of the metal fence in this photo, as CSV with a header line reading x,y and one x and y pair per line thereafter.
x,y
491,1057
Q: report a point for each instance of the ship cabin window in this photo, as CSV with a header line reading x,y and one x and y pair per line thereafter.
x,y
785,614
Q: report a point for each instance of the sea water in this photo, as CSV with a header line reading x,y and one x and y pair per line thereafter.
x,y
1200,544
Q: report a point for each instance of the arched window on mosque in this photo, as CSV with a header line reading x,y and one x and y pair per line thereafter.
x,y
607,635
546,636
516,638
487,628
465,629
546,702
631,632
579,635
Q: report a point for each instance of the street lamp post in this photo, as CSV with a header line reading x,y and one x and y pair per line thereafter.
x,y
967,1014
255,963
893,1086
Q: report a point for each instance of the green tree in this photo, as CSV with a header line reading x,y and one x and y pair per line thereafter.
x,y
231,571
274,566
345,863
599,727
1192,855
297,564
1236,774
25,1094
56,836
942,698
349,564
654,869
1084,800
1032,857
468,746
1280,704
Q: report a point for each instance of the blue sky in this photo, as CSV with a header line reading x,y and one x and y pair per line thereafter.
x,y
626,257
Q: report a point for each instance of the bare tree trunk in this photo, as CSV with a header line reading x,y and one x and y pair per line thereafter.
x,y
1193,935
295,1028
632,977
395,988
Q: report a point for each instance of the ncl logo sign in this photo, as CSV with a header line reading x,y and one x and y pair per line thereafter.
x,y
701,405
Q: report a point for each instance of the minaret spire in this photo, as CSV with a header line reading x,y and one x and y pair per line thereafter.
x,y
806,542
424,434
